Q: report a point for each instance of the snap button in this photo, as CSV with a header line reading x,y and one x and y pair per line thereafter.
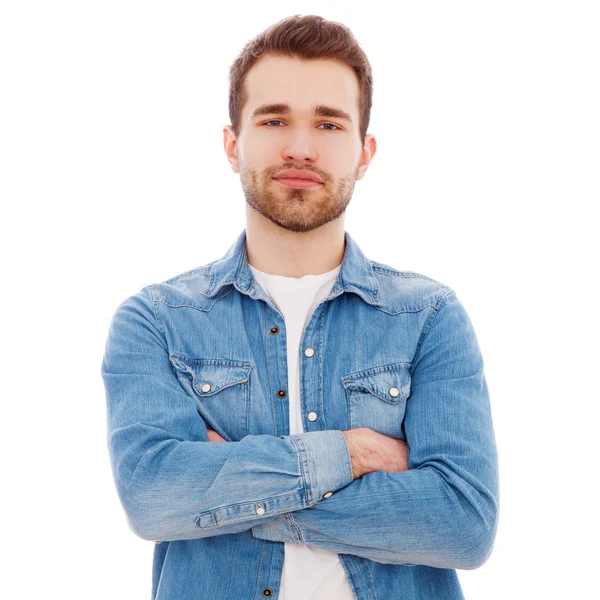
x,y
327,494
206,387
312,416
394,392
260,510
267,592
281,393
309,352
274,331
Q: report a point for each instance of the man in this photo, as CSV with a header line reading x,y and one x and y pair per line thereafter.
x,y
357,456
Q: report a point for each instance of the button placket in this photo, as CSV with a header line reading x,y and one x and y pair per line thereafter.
x,y
309,352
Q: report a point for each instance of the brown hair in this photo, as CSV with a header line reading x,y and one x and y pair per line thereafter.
x,y
306,37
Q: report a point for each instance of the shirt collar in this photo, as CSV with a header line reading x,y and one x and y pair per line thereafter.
x,y
356,274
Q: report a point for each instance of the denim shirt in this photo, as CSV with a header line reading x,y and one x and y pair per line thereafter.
x,y
394,351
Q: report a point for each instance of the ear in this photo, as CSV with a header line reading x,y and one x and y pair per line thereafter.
x,y
231,149
368,152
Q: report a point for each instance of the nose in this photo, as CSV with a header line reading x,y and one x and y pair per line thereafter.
x,y
299,149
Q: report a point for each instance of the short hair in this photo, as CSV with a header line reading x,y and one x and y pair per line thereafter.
x,y
305,37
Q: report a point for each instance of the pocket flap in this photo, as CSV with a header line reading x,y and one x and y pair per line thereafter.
x,y
210,375
391,382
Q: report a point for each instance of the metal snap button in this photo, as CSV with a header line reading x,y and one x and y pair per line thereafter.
x,y
267,592
312,416
206,387
309,352
281,393
260,510
394,392
274,330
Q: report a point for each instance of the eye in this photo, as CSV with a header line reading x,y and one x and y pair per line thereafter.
x,y
336,127
278,121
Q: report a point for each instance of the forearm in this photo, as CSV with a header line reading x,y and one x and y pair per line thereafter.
x,y
425,516
185,490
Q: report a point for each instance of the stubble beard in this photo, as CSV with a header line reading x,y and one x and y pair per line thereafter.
x,y
294,209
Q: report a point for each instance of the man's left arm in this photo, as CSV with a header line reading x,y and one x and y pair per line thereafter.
x,y
443,511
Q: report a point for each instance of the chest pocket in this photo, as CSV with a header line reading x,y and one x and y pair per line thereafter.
x,y
377,398
220,387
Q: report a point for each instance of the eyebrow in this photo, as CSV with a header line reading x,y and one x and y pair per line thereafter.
x,y
285,109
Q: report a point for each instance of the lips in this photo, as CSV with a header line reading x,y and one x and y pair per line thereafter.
x,y
297,182
296,175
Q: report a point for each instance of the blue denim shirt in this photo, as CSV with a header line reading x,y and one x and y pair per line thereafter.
x,y
207,349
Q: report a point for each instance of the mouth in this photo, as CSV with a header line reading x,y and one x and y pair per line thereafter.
x,y
296,182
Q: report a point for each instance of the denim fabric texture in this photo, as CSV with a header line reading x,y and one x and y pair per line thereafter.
x,y
207,349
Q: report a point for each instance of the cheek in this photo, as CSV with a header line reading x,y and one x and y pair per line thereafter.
x,y
260,152
340,151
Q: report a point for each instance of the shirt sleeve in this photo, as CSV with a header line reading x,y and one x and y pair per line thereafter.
x,y
443,511
172,482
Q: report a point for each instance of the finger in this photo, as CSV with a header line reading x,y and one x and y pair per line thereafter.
x,y
213,436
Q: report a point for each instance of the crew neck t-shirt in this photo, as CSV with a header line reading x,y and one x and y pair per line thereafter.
x,y
309,572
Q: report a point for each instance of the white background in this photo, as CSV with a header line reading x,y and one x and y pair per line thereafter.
x,y
113,176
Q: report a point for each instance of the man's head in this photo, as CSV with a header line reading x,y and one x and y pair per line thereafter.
x,y
300,98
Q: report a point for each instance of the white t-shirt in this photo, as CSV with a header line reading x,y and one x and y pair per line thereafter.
x,y
309,573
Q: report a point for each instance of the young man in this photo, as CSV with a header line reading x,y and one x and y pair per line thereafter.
x,y
358,457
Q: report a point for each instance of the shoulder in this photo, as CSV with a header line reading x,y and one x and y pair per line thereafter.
x,y
407,291
185,288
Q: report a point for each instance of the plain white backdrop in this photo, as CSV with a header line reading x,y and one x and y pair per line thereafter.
x,y
113,176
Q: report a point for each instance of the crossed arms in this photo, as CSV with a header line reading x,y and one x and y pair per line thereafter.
x,y
441,512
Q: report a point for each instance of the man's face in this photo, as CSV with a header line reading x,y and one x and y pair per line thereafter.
x,y
274,139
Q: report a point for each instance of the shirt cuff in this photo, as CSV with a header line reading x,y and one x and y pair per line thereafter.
x,y
325,462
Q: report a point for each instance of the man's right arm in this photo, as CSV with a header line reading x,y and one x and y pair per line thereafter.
x,y
369,451
172,482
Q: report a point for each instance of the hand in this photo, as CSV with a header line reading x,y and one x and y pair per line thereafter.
x,y
213,436
372,451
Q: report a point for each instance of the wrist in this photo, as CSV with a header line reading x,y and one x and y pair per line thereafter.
x,y
355,455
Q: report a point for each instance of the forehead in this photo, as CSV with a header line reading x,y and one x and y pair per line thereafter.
x,y
302,84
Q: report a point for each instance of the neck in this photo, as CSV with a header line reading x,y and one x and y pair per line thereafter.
x,y
277,251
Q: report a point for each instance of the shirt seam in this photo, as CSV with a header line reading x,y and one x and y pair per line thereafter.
x,y
155,312
429,325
